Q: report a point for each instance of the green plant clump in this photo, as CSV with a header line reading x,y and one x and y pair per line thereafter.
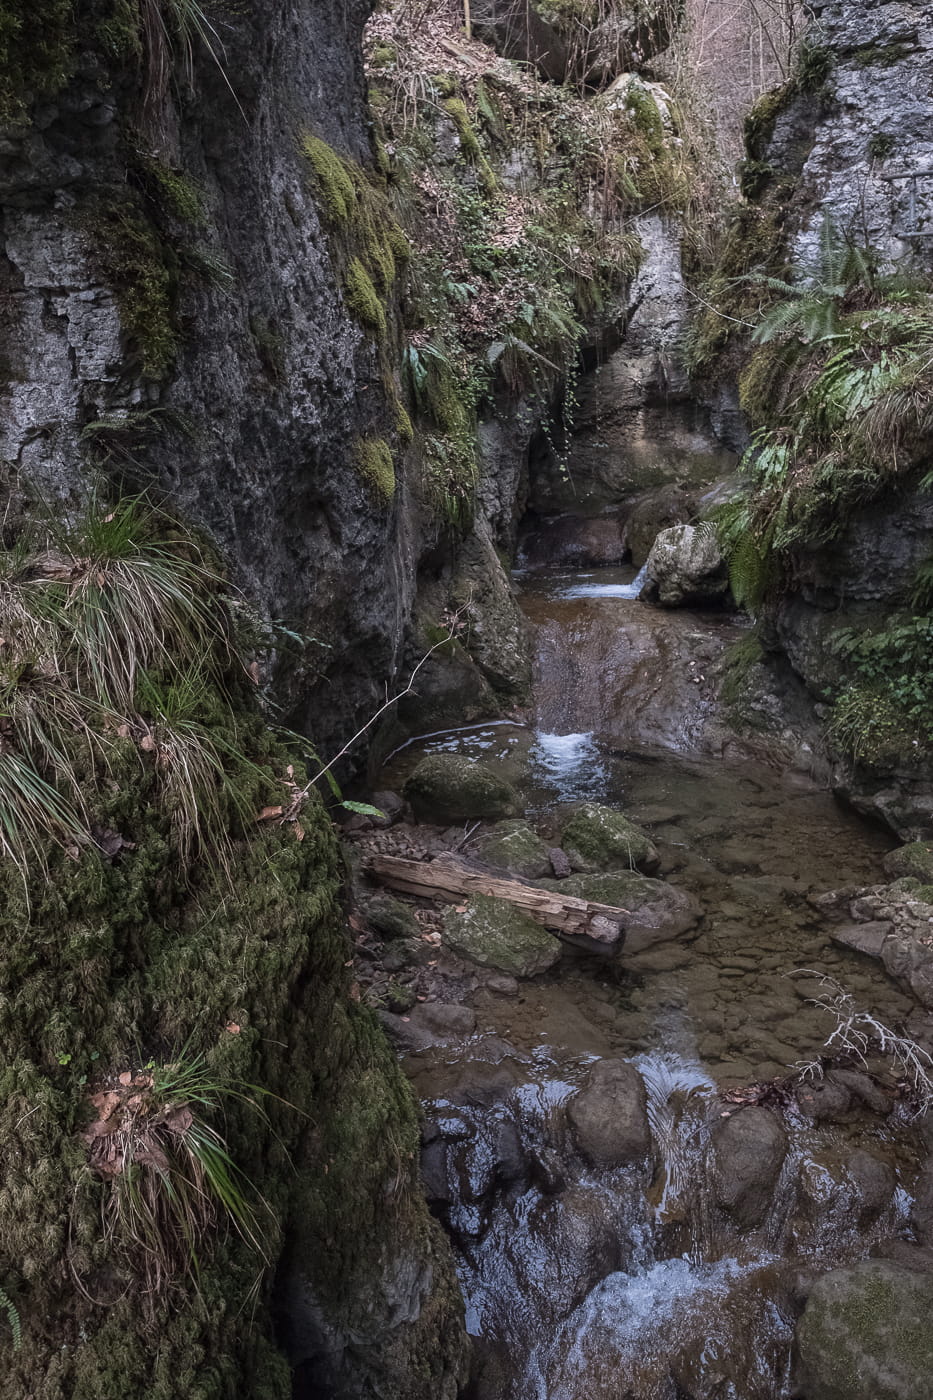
x,y
143,271
363,300
374,462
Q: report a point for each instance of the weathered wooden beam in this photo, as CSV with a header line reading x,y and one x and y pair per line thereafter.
x,y
450,878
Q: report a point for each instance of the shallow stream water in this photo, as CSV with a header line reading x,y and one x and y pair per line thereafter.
x,y
589,1285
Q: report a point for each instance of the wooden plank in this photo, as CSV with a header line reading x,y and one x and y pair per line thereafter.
x,y
450,878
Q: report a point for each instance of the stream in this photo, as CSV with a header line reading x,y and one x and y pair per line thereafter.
x,y
589,1280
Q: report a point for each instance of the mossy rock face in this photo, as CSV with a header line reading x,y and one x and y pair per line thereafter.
x,y
495,934
915,860
446,787
599,838
516,849
866,1335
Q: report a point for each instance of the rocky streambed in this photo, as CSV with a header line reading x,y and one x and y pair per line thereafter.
x,y
660,1182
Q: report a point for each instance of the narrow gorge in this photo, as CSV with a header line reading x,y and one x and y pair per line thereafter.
x,y
466,745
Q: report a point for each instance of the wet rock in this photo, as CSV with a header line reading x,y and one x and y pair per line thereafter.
x,y
865,1335
863,1087
749,1150
516,849
445,1018
390,917
907,955
600,838
873,1184
686,568
824,1100
390,805
921,1212
655,511
915,859
406,952
609,1116
501,985
560,865
657,912
447,787
495,934
865,938
435,1175
918,1257
428,1024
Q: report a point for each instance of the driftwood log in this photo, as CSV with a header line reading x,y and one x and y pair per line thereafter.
x,y
450,878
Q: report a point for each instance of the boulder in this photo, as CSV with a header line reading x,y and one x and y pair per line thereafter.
x,y
873,1184
865,938
657,912
653,512
914,860
608,1116
516,849
749,1150
390,917
686,568
494,933
921,1210
600,838
865,1335
826,1100
447,787
907,955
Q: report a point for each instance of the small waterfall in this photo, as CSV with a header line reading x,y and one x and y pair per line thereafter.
x,y
629,1284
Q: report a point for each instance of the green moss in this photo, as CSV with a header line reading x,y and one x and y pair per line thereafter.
x,y
373,457
172,190
37,52
251,971
383,55
455,108
880,145
335,185
644,112
142,270
881,55
363,300
761,381
403,424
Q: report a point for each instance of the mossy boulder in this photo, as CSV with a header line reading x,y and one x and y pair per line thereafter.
x,y
447,787
390,917
865,1335
915,860
599,838
516,849
495,934
656,911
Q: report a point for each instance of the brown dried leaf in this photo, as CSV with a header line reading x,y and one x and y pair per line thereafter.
x,y
147,743
269,814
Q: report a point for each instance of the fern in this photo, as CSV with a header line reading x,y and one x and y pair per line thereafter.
x,y
12,1315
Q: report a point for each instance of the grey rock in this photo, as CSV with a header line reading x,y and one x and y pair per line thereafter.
x,y
656,911
608,1116
865,938
749,1150
600,838
921,1211
686,568
516,849
447,787
823,1100
873,1184
865,1335
494,933
390,917
862,1087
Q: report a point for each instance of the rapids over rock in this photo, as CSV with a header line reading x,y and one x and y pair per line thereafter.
x,y
630,1221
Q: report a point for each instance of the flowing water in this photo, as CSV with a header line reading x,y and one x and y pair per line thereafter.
x,y
585,1284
